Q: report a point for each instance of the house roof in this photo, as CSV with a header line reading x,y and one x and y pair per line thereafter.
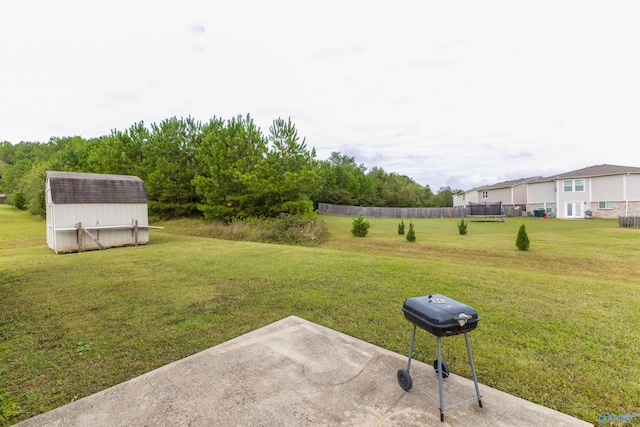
x,y
506,184
591,171
78,188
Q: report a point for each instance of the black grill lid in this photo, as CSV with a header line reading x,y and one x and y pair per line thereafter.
x,y
440,315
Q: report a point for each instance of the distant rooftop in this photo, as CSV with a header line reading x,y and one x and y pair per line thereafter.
x,y
590,171
507,184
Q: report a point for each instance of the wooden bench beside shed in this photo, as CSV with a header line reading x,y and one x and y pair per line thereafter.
x,y
87,211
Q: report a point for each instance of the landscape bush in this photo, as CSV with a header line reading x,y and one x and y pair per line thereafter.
x,y
411,234
522,241
360,226
401,227
462,227
18,200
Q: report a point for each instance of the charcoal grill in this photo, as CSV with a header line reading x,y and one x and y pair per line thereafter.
x,y
442,317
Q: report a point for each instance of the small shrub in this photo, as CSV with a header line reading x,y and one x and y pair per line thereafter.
x,y
462,227
19,200
360,226
401,227
411,234
522,242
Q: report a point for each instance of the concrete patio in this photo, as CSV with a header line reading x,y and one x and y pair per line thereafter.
x,y
292,373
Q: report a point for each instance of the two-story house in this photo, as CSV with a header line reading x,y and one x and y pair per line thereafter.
x,y
510,193
605,191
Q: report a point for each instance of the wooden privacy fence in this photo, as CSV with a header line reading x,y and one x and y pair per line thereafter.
x,y
629,221
375,212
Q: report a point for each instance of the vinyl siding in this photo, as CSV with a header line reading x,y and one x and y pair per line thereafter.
x,y
607,188
541,192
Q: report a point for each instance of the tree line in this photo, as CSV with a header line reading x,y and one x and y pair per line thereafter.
x,y
220,169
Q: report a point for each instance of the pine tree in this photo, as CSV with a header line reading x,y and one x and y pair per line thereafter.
x,y
360,226
411,234
522,241
401,227
462,227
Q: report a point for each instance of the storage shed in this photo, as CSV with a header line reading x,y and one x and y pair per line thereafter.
x,y
88,211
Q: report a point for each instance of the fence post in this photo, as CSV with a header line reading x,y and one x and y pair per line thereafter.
x,y
80,237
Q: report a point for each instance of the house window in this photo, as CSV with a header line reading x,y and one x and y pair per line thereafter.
x,y
485,194
571,185
545,207
605,205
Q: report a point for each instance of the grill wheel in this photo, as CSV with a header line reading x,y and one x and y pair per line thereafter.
x,y
445,368
404,379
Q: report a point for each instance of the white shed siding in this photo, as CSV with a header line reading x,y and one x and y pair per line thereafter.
x,y
95,215
111,223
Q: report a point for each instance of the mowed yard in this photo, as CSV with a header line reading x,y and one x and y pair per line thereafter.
x,y
560,323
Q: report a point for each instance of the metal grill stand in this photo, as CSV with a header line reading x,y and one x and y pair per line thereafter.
x,y
440,367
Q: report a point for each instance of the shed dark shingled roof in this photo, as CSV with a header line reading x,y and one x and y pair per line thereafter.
x,y
73,187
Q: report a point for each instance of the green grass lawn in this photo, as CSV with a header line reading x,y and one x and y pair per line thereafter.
x,y
559,322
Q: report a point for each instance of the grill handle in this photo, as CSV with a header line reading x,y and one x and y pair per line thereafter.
x,y
462,319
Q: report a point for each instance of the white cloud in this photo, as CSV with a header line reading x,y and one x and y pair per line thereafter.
x,y
448,93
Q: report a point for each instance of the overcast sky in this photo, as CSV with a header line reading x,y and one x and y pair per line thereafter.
x,y
447,92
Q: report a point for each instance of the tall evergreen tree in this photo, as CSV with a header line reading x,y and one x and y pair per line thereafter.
x,y
285,179
169,166
121,152
227,161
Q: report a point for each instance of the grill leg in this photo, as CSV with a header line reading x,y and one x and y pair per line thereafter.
x,y
413,338
473,368
440,379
